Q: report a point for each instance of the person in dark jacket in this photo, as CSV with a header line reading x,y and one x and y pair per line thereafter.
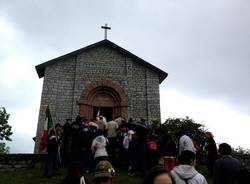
x,y
66,143
75,174
211,151
226,169
51,164
76,152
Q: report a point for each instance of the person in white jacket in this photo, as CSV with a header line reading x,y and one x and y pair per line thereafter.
x,y
98,147
186,173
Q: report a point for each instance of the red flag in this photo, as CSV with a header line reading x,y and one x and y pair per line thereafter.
x,y
48,124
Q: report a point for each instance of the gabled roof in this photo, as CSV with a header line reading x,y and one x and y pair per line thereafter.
x,y
41,68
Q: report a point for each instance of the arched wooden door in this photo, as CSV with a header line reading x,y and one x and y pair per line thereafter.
x,y
106,97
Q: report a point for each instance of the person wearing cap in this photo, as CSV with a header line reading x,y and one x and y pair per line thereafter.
x,y
104,173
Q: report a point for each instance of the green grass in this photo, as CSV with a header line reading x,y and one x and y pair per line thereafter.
x,y
34,176
28,176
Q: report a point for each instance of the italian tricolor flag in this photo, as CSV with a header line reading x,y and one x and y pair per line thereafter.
x,y
48,124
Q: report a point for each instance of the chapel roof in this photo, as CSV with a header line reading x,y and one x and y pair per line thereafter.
x,y
41,67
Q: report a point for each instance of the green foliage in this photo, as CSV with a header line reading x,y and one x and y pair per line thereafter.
x,y
5,129
241,151
173,125
155,124
3,148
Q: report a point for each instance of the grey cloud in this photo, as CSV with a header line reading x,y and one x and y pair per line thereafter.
x,y
19,96
18,138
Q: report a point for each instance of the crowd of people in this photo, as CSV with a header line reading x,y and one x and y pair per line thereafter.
x,y
100,146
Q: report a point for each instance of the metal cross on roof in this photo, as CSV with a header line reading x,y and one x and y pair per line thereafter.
x,y
105,30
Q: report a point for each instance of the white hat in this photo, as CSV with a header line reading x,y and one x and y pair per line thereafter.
x,y
131,132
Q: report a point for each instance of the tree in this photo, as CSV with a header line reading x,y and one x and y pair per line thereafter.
x,y
195,130
241,151
173,125
5,130
3,148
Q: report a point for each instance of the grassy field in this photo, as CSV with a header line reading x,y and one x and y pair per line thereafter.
x,y
33,176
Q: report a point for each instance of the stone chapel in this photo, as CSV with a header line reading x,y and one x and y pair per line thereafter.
x,y
101,77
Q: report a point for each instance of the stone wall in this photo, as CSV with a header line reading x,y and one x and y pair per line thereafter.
x,y
12,162
57,92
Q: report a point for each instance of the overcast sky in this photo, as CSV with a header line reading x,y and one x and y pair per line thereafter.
x,y
204,46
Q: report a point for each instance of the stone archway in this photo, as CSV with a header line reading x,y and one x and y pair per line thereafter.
x,y
105,95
